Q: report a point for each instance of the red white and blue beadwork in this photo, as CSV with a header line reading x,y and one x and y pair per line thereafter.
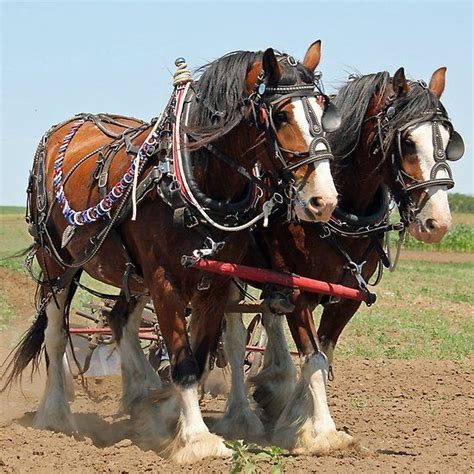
x,y
103,207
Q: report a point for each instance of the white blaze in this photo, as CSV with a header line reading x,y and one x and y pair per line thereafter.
x,y
437,206
322,185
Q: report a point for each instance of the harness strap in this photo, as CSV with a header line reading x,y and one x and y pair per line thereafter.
x,y
240,169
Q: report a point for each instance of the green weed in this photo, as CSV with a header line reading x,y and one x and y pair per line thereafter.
x,y
358,402
248,457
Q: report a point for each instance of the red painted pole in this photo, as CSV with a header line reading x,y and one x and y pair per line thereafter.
x,y
291,280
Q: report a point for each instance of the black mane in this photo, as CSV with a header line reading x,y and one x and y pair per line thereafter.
x,y
221,93
353,100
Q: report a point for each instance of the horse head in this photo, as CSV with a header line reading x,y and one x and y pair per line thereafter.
x,y
423,140
268,107
397,132
289,107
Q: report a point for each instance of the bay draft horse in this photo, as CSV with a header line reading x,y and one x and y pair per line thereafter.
x,y
396,134
229,109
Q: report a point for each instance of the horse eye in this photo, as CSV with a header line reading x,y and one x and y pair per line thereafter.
x,y
281,117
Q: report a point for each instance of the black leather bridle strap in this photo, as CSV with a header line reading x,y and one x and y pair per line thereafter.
x,y
406,184
240,169
312,155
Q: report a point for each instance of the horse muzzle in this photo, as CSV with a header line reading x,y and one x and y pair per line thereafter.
x,y
429,231
316,209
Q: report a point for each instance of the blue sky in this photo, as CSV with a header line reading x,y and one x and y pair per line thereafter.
x,y
61,58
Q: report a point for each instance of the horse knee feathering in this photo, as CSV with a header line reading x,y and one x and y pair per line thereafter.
x,y
249,129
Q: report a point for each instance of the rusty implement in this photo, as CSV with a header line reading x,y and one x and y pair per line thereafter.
x,y
92,360
93,351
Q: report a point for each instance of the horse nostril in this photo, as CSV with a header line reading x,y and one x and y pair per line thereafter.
x,y
431,224
316,202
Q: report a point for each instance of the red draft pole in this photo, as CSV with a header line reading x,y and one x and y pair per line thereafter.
x,y
291,280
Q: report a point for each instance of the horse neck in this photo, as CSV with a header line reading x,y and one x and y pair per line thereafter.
x,y
359,181
217,178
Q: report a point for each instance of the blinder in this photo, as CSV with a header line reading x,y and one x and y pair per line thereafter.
x,y
331,119
455,149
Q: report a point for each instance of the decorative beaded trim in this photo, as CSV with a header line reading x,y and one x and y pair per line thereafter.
x,y
103,207
296,88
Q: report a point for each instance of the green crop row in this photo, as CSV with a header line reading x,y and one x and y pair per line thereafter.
x,y
459,239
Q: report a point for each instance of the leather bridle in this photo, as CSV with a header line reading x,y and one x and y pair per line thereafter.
x,y
267,100
405,184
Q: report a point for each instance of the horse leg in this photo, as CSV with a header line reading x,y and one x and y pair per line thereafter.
x,y
333,321
305,425
188,438
275,382
239,421
138,377
54,412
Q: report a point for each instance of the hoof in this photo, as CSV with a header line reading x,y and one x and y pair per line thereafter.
x,y
324,443
240,424
155,422
200,446
55,419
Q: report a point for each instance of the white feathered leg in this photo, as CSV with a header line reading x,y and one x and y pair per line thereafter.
x,y
167,419
239,421
138,376
193,440
306,425
54,412
153,409
276,381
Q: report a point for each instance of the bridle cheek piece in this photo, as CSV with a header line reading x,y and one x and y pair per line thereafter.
x,y
264,106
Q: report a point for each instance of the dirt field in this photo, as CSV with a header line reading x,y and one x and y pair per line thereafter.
x,y
407,415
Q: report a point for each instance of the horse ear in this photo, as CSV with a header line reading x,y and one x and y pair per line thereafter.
x,y
399,83
438,81
312,56
271,66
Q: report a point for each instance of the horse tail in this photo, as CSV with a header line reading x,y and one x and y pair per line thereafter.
x,y
21,253
26,352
